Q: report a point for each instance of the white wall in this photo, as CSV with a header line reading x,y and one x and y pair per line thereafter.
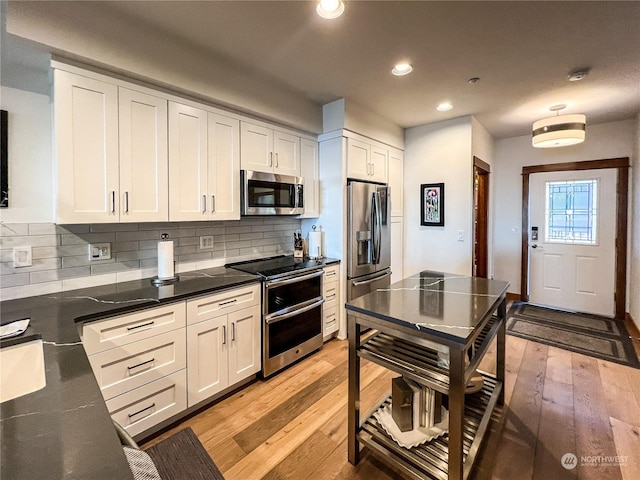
x,y
434,153
30,164
633,296
610,140
92,33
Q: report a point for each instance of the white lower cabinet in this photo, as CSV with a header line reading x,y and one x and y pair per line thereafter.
x,y
150,404
330,310
224,348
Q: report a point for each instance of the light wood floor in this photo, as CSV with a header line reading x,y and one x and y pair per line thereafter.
x,y
293,426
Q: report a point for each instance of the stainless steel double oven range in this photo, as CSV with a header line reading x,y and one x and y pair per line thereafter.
x,y
292,298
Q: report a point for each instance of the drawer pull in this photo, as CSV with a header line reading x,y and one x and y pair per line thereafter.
x,y
131,415
141,364
224,334
233,331
228,302
141,325
331,297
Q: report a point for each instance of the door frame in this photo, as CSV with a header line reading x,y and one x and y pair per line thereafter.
x,y
481,219
622,205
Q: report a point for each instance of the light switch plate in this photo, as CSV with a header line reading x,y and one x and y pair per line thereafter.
x,y
461,235
99,251
22,257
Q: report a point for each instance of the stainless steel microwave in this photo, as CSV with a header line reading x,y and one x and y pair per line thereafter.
x,y
271,194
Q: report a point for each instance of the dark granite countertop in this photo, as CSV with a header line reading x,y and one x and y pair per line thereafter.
x,y
445,305
64,430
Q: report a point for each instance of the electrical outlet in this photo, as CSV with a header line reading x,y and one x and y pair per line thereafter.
x,y
22,257
99,251
206,242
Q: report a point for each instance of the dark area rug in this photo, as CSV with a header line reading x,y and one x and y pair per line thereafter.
x,y
599,337
182,457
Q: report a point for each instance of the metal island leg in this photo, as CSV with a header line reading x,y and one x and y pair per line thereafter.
x,y
456,412
353,398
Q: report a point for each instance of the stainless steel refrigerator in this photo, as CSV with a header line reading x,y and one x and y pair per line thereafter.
x,y
369,238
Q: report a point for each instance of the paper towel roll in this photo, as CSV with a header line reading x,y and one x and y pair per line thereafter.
x,y
315,244
165,259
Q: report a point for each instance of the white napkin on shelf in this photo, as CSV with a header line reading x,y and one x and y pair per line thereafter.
x,y
14,328
415,437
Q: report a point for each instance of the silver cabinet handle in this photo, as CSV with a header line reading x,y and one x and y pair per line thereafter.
x,y
228,302
204,204
373,169
213,203
126,202
224,334
271,159
277,163
233,331
113,201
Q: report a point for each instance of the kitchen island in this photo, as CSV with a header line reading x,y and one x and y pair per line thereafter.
x,y
419,323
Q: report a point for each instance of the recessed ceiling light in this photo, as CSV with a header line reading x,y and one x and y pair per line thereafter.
x,y
443,107
578,74
330,8
402,68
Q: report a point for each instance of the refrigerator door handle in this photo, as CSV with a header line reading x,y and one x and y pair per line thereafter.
x,y
374,230
378,224
371,280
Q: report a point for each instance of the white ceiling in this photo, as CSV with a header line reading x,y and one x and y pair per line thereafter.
x,y
522,52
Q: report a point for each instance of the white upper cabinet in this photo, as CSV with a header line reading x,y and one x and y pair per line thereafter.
x,y
396,176
309,170
144,183
204,165
187,163
86,139
265,150
224,167
358,159
111,152
379,164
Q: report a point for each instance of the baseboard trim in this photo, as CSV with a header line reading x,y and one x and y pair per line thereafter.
x,y
513,297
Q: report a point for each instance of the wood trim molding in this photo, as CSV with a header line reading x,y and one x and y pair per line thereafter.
x,y
622,202
513,297
482,165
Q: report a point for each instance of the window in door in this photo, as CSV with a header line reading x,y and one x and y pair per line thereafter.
x,y
571,212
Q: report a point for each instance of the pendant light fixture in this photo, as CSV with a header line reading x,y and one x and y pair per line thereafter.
x,y
559,131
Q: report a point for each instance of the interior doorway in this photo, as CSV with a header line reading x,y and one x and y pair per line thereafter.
x,y
481,171
621,168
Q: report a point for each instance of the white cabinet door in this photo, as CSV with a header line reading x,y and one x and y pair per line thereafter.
x,y
396,175
86,135
207,359
378,165
224,167
309,170
397,249
256,147
245,344
358,159
144,182
187,163
286,151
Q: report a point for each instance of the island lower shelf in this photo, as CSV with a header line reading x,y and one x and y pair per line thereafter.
x,y
432,457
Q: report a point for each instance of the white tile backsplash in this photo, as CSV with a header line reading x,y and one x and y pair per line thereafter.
x,y
61,261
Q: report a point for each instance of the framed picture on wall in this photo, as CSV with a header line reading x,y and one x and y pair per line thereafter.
x,y
432,204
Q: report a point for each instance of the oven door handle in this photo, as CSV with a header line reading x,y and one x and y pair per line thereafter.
x,y
296,279
277,317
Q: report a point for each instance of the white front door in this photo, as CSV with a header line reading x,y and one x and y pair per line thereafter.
x,y
572,261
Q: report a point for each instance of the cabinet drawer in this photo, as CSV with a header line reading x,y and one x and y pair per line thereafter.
x,y
150,404
116,331
330,320
331,292
331,273
122,369
221,303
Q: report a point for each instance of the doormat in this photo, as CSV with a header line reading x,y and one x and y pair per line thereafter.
x,y
592,335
